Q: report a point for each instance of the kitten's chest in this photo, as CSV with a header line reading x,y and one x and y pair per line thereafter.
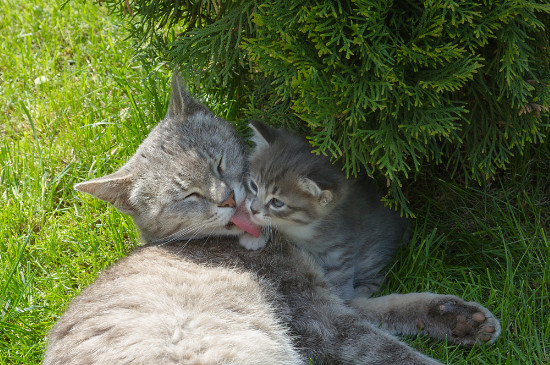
x,y
311,237
301,235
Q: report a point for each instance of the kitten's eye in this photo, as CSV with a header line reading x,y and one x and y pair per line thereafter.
x,y
276,203
253,186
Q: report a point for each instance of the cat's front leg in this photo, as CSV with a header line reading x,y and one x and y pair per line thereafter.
x,y
347,337
439,316
369,345
252,243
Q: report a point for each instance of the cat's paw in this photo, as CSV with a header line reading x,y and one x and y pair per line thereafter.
x,y
252,243
465,323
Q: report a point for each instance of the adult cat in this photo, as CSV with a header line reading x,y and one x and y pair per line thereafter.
x,y
182,300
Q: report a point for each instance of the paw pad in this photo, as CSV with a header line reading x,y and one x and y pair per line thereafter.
x,y
466,323
462,327
478,317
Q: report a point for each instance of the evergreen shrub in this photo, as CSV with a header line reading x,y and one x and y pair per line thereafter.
x,y
386,87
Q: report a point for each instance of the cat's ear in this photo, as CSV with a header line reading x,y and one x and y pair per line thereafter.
x,y
114,188
263,135
179,98
323,196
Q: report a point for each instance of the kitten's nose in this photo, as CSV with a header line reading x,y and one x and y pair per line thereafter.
x,y
252,210
229,202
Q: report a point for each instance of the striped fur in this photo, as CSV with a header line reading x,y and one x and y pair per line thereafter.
x,y
179,300
176,182
341,222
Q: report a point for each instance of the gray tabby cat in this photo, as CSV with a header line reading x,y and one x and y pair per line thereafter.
x,y
341,222
180,300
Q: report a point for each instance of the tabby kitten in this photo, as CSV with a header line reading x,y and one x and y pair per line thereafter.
x,y
208,301
341,222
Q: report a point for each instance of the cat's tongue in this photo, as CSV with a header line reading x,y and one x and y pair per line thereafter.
x,y
242,220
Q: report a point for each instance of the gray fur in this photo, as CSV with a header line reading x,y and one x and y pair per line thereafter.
x,y
187,153
206,301
341,222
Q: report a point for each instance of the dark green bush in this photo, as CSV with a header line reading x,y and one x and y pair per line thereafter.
x,y
387,87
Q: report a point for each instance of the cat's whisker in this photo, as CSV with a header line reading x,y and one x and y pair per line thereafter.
x,y
186,243
208,236
176,234
174,237
195,232
179,235
200,229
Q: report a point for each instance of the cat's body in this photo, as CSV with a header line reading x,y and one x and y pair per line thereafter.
x,y
179,300
217,303
341,222
155,307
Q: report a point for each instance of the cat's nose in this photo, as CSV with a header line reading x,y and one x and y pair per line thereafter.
x,y
253,211
229,202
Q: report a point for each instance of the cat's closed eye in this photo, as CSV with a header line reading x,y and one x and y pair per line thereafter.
x,y
220,167
193,196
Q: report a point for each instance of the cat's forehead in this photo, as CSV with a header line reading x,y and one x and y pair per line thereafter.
x,y
199,134
189,151
212,133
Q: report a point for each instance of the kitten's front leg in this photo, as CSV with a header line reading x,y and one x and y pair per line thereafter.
x,y
252,243
439,316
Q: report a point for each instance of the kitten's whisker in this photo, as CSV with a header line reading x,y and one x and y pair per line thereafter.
x,y
271,230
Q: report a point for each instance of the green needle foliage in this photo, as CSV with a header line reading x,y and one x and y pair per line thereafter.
x,y
387,87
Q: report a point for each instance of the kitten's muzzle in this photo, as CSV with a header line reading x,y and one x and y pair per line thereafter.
x,y
229,202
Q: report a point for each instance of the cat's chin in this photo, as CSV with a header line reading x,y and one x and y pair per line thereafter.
x,y
230,226
231,229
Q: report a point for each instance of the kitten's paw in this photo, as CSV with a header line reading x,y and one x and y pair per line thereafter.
x,y
250,242
465,323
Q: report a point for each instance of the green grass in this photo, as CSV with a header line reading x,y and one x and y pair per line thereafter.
x,y
74,104
492,246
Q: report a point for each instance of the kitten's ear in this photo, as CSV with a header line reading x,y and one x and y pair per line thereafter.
x,y
323,196
114,188
179,98
263,135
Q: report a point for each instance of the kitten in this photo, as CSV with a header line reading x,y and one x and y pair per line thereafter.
x,y
341,222
181,300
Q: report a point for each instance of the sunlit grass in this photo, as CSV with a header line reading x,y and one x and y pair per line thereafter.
x,y
488,245
67,77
